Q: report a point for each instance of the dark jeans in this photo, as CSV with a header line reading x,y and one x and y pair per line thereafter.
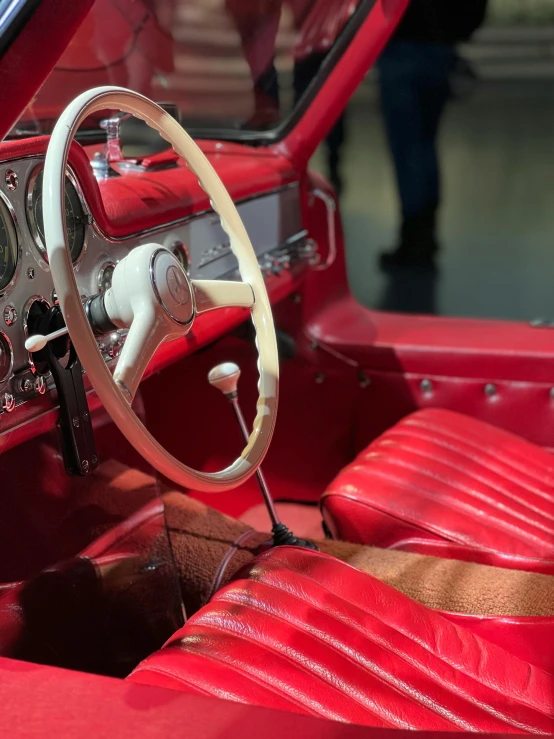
x,y
266,89
414,90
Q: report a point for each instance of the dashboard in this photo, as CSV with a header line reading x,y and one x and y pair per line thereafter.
x,y
272,219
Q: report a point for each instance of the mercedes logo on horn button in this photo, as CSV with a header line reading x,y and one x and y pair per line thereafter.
x,y
176,283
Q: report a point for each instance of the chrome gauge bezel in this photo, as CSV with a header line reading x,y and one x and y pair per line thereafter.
x,y
31,222
19,244
6,377
102,271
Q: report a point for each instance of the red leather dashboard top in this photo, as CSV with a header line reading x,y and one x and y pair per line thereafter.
x,y
125,205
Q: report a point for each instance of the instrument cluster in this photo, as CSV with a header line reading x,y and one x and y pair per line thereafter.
x,y
273,221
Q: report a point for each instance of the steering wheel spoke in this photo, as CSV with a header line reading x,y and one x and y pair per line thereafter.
x,y
146,334
213,294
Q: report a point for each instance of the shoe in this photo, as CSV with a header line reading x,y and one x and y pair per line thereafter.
x,y
336,179
418,245
408,257
333,165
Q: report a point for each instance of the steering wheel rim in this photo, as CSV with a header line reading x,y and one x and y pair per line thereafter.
x,y
203,294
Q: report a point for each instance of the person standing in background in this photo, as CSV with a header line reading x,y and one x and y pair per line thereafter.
x,y
257,23
318,23
415,74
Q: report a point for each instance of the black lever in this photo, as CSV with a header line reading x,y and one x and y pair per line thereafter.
x,y
76,433
225,377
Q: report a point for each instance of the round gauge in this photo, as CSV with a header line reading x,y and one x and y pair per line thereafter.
x,y
8,247
6,357
75,217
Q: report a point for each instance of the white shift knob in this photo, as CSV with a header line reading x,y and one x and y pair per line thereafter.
x,y
225,377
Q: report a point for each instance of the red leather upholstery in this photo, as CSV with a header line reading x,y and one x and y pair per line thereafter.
x,y
433,346
526,637
445,484
304,632
458,357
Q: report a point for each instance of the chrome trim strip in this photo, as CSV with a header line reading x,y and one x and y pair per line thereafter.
x,y
291,239
21,158
331,208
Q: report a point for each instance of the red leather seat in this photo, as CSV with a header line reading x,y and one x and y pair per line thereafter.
x,y
445,484
303,632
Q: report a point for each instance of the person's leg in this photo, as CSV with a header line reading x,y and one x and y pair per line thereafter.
x,y
334,143
257,28
266,89
402,118
304,72
407,77
434,94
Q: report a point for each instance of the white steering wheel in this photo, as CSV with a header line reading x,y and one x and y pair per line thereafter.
x,y
153,297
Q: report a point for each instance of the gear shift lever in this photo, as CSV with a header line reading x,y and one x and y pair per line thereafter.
x,y
225,377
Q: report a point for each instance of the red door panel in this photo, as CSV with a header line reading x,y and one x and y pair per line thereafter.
x,y
499,371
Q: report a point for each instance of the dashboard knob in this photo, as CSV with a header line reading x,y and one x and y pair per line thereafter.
x,y
115,344
8,402
266,265
10,315
24,385
40,385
